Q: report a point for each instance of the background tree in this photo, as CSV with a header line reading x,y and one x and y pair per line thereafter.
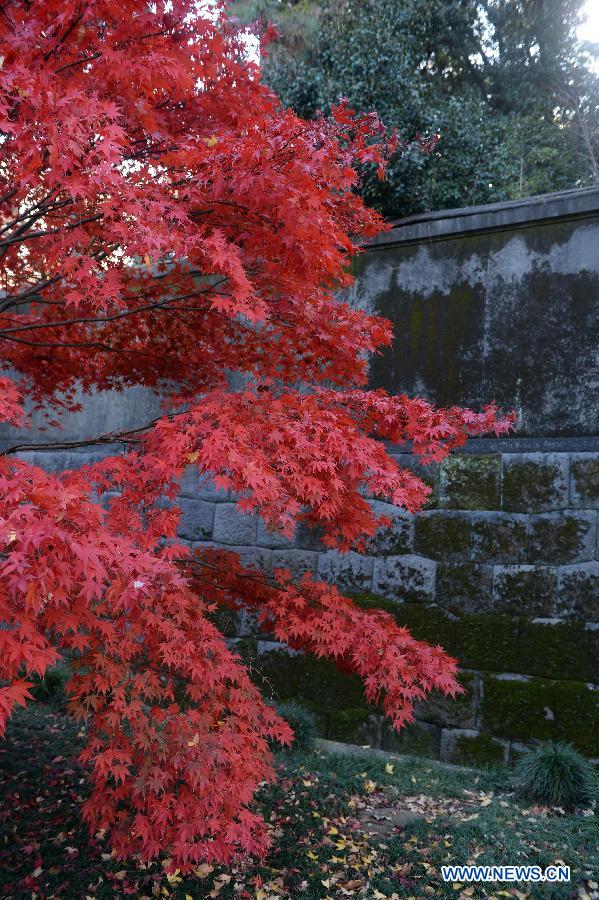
x,y
506,85
164,222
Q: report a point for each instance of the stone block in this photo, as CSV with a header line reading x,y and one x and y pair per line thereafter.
x,y
465,587
257,557
488,642
205,489
267,537
350,571
554,650
525,590
393,539
534,482
515,708
232,526
467,747
297,561
584,480
499,537
578,591
404,578
470,481
563,537
442,534
417,739
577,716
197,519
189,483
308,537
452,712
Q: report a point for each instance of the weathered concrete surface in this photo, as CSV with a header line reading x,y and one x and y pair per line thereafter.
x,y
497,303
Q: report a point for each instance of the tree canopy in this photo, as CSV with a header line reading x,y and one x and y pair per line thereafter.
x,y
165,222
506,84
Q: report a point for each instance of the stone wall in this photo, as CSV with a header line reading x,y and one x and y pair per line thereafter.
x,y
501,570
502,567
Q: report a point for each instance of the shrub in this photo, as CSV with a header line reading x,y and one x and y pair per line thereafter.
x,y
50,687
556,775
302,723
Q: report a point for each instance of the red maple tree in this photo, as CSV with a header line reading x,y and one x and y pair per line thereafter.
x,y
164,222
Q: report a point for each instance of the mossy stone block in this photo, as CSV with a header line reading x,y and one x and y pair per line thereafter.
x,y
499,537
465,587
525,590
355,726
452,712
490,643
417,739
429,474
517,709
427,623
479,751
534,482
577,716
584,490
442,534
563,538
369,601
557,650
470,482
593,645
407,578
578,591
392,539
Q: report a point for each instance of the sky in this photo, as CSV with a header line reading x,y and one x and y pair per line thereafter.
x,y
590,30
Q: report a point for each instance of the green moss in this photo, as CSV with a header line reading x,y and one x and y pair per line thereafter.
x,y
284,676
478,751
577,716
530,486
442,535
555,651
489,643
518,709
369,601
427,623
471,482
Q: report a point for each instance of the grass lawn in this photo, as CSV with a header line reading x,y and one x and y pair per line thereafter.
x,y
342,826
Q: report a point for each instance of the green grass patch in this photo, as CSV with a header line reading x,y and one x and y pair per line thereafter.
x,y
318,816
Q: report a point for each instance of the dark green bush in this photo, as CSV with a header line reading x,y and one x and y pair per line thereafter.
x,y
556,775
301,721
51,686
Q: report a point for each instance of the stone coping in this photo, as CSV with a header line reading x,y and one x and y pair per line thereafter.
x,y
367,752
548,444
452,223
